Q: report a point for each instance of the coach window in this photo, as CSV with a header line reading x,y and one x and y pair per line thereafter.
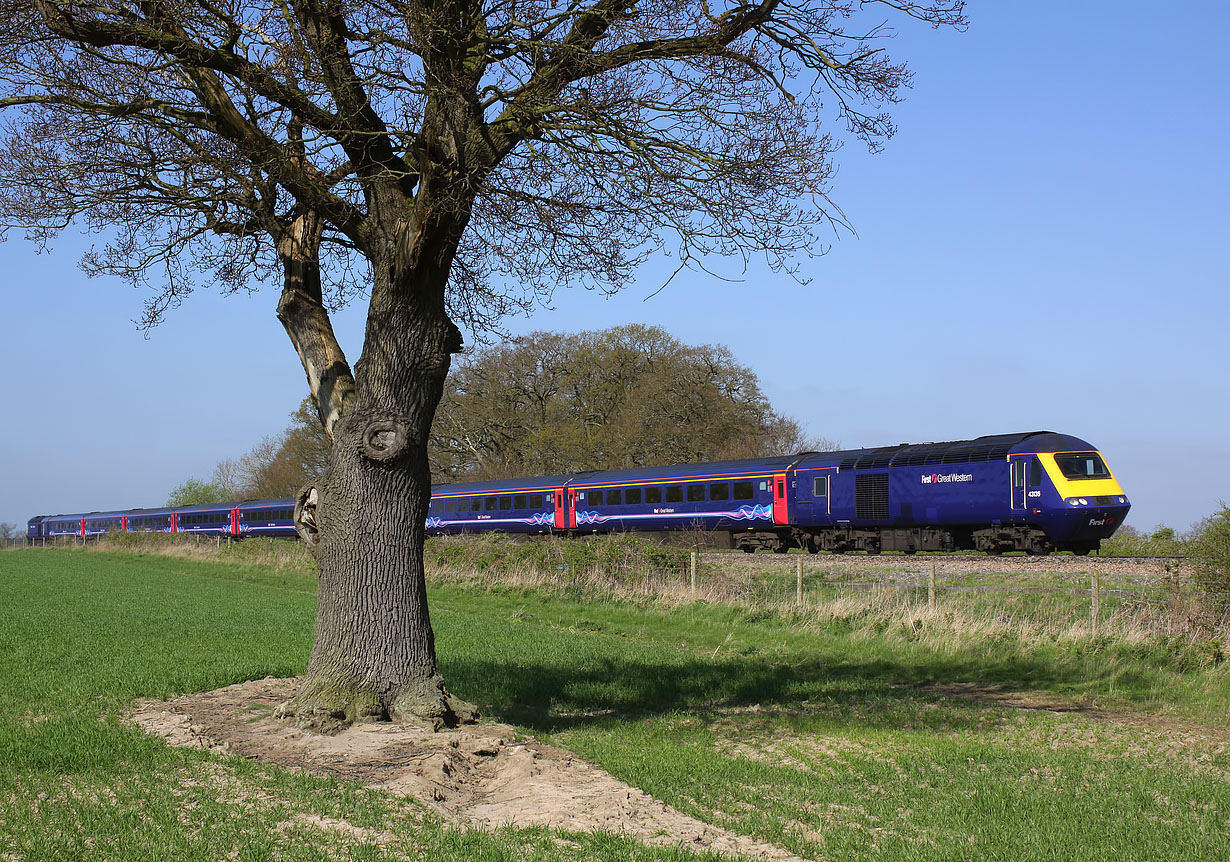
x,y
535,501
519,501
491,504
476,504
674,493
614,496
506,503
744,491
719,492
820,486
696,493
632,496
595,498
653,495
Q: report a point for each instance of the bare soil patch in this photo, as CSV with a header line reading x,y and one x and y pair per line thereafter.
x,y
484,775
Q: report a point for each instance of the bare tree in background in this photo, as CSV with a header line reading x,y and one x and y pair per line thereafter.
x,y
629,396
450,159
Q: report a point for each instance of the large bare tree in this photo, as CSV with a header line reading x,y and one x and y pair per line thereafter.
x,y
451,159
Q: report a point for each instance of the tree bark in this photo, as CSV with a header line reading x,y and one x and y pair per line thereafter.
x,y
374,655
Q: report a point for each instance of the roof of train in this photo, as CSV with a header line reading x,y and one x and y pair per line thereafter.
x,y
992,447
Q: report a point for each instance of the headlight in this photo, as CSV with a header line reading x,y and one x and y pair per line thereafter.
x,y
1123,499
1084,502
1072,501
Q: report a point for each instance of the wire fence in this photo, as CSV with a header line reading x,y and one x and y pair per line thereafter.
x,y
1057,592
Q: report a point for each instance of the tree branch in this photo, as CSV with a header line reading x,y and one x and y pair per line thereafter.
x,y
303,315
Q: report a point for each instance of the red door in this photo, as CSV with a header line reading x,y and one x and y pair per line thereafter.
x,y
234,522
572,508
561,509
781,511
124,523
174,522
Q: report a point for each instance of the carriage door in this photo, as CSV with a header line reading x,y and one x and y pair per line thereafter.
x,y
781,510
565,508
1018,483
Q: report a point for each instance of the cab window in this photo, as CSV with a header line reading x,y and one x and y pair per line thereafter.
x,y
1082,465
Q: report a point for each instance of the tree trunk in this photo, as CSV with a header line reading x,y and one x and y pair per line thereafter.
x,y
374,655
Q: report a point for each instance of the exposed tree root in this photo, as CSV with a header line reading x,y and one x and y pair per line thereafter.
x,y
324,705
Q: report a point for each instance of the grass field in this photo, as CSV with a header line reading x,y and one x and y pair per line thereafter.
x,y
837,738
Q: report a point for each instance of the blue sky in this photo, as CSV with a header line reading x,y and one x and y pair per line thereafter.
x,y
1042,246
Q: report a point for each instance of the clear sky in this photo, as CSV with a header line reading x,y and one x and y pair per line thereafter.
x,y
1043,245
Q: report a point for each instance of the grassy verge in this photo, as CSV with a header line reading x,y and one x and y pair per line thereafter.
x,y
862,735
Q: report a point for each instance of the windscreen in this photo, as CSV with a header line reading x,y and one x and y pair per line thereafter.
x,y
1082,465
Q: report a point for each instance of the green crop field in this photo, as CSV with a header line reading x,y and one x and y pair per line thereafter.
x,y
835,738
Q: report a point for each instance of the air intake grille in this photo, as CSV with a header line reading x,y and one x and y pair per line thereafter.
x,y
871,497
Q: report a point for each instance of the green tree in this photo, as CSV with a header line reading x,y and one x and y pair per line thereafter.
x,y
622,397
1162,533
456,160
1210,547
194,492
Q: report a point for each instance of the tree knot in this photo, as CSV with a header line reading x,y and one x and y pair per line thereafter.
x,y
385,438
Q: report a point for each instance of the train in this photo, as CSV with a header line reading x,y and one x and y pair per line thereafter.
x,y
1035,492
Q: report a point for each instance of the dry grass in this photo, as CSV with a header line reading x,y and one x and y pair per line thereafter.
x,y
627,568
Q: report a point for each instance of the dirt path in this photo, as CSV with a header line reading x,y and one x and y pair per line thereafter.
x,y
483,776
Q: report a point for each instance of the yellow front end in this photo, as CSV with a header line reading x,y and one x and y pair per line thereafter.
x,y
1080,487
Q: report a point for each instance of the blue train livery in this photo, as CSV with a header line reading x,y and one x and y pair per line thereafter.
x,y
1035,492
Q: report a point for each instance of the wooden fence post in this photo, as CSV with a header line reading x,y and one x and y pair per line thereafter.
x,y
931,589
692,571
798,580
1095,590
